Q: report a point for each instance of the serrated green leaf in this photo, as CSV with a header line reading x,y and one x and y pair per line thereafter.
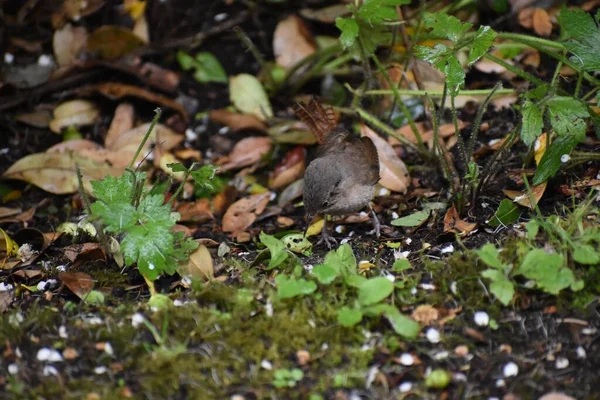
x,y
567,116
432,55
455,75
586,254
116,216
349,29
446,26
550,162
484,39
507,213
277,249
349,317
150,246
585,37
532,122
116,188
289,287
324,273
376,12
204,176
374,290
489,254
414,219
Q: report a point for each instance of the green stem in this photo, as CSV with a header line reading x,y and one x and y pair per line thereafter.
x,y
514,70
437,93
182,184
528,40
259,57
399,101
157,114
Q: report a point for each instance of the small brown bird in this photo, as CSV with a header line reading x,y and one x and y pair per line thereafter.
x,y
342,177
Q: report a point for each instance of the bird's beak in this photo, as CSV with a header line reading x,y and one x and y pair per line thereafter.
x,y
309,220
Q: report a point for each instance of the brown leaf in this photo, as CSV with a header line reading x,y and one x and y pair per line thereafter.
x,y
37,118
85,252
326,15
425,314
68,43
76,145
247,151
523,199
200,265
526,17
9,212
236,121
392,170
75,9
6,297
122,122
74,113
542,25
115,91
289,169
556,396
80,283
241,214
453,223
70,353
112,42
196,211
292,42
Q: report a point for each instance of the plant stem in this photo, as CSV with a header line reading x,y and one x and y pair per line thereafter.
x,y
437,93
157,114
182,184
528,40
399,101
514,70
259,57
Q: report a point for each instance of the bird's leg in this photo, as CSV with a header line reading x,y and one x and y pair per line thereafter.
x,y
325,236
376,225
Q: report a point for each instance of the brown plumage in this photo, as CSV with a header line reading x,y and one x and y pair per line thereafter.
x,y
341,178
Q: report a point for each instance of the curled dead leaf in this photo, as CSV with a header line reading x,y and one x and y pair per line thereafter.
x,y
67,43
523,198
80,283
112,42
246,152
196,211
542,25
241,214
236,121
74,113
292,42
289,169
122,122
199,265
394,174
453,223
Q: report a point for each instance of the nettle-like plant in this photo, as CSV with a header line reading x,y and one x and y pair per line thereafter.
x,y
141,219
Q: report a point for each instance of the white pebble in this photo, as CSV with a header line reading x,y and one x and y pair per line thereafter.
x,y
269,309
405,387
407,359
190,135
49,370
220,17
339,228
5,287
581,352
447,249
384,192
589,331
408,241
50,355
441,355
363,214
62,332
395,215
108,349
561,363
186,280
61,268
433,335
15,319
500,383
224,130
100,370
177,303
8,58
481,318
459,377
565,158
427,286
137,319
390,277
537,145
272,196
41,285
13,369
510,369
454,287
44,60
93,320
266,364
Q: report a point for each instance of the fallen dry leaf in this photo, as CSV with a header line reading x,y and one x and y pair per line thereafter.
x,y
523,199
74,113
122,121
9,211
292,42
541,143
246,152
542,25
38,118
241,214
76,145
289,169
236,121
556,396
453,223
6,297
525,17
425,314
80,283
74,10
196,211
85,252
112,42
248,95
67,43
326,15
392,170
199,265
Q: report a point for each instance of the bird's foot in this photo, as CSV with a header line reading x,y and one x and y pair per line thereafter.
x,y
326,238
376,224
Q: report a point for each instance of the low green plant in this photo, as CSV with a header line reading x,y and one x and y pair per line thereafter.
x,y
283,378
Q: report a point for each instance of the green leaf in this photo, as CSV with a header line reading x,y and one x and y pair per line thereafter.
x,y
150,246
432,55
415,219
504,290
248,95
324,273
489,254
402,325
548,270
532,228
277,248
117,216
586,254
207,67
568,116
355,280
455,75
401,264
376,12
550,162
298,243
484,39
289,287
532,122
349,317
203,177
374,290
438,379
585,42
349,29
94,297
507,213
446,26
116,189
342,260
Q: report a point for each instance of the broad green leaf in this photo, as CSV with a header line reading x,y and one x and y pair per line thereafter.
x,y
374,290
150,247
289,287
550,162
567,116
116,189
507,213
484,39
548,270
207,67
415,219
277,249
355,280
349,29
298,243
248,95
438,379
349,317
586,254
401,264
585,37
432,55
532,122
376,12
402,325
324,273
503,289
455,75
532,228
342,260
204,176
446,26
117,216
489,254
